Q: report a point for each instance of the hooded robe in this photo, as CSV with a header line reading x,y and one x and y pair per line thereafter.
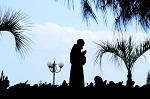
x,y
77,60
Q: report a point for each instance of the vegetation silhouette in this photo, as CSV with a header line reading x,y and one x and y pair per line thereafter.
x,y
100,88
76,88
148,78
125,50
11,22
16,22
123,11
4,82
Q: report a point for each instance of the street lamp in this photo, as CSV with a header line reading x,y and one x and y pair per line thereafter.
x,y
53,68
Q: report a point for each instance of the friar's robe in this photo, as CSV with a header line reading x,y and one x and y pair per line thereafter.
x,y
77,60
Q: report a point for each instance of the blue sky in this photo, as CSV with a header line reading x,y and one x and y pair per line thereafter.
x,y
55,30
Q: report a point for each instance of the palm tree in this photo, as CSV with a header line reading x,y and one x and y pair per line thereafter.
x,y
125,50
148,78
16,23
124,11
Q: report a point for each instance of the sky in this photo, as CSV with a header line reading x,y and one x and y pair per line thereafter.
x,y
55,29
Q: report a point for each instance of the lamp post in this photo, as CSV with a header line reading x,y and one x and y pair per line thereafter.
x,y
53,68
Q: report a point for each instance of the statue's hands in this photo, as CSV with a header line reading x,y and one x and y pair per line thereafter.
x,y
84,52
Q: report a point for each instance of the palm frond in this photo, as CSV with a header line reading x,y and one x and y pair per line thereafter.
x,y
125,49
16,22
124,12
142,48
87,11
106,47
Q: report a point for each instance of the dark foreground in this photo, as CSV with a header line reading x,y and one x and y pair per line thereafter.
x,y
97,90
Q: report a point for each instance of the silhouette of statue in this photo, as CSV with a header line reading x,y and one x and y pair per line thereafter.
x,y
77,60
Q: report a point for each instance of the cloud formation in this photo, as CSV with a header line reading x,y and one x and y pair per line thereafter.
x,y
54,42
57,41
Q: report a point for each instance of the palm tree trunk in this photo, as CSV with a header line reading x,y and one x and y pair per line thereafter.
x,y
129,79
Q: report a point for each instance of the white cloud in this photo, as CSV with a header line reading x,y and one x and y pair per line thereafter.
x,y
53,43
58,40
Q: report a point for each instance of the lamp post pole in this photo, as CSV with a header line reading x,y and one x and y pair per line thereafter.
x,y
53,68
